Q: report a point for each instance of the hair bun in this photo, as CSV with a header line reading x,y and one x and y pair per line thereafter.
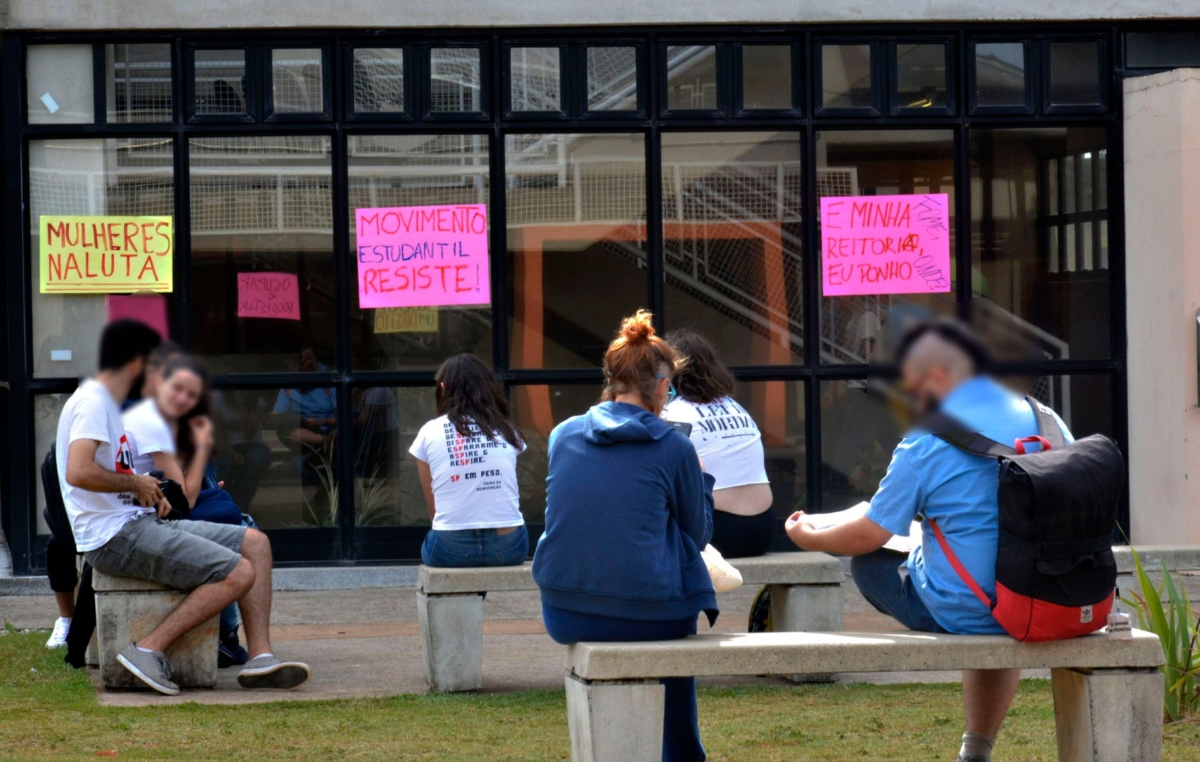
x,y
638,327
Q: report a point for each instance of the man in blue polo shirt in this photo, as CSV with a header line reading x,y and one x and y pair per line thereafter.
x,y
942,367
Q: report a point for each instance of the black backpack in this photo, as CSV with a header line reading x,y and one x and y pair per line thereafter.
x,y
1055,571
55,511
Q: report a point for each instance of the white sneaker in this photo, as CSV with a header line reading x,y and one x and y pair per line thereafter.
x,y
58,638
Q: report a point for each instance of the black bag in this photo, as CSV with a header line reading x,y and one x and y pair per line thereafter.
x,y
1055,571
173,492
55,511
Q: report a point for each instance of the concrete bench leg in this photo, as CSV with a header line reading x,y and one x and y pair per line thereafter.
x,y
124,617
452,641
807,608
611,722
1108,715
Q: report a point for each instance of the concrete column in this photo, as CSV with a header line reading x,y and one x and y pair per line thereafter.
x,y
613,722
1162,267
806,608
1108,715
452,641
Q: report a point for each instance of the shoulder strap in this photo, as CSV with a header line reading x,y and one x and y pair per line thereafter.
x,y
959,569
1048,427
952,431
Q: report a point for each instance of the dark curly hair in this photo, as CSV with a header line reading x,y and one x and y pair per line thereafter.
x,y
468,393
702,376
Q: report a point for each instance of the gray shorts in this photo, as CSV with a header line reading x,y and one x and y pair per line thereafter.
x,y
180,554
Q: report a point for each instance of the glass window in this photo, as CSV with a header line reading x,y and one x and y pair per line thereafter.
x,y
59,82
846,76
262,205
576,213
114,176
858,329
535,83
731,230
859,431
138,78
221,82
378,80
612,80
455,79
692,77
1000,74
387,491
778,409
1042,293
1075,74
536,410
767,77
297,81
1162,50
417,170
921,76
47,408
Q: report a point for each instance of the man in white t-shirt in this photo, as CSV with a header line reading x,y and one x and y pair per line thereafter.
x,y
115,515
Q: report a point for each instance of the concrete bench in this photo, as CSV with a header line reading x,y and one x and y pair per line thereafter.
x,y
806,595
1107,693
128,609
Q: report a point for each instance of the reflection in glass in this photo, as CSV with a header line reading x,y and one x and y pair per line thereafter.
x,y
220,82
454,79
846,76
691,77
731,231
612,81
778,409
117,176
1000,74
1043,273
1075,74
59,85
859,431
378,80
766,77
535,83
46,410
536,411
138,79
417,170
297,81
261,204
858,329
921,76
576,213
386,421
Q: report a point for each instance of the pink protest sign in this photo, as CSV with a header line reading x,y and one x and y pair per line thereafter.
x,y
268,295
150,309
885,244
423,256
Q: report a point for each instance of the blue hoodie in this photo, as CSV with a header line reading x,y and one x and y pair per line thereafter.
x,y
628,509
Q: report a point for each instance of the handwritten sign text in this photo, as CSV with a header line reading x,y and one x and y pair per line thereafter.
x,y
406,320
105,254
268,295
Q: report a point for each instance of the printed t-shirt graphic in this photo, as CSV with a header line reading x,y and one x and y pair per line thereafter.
x,y
726,438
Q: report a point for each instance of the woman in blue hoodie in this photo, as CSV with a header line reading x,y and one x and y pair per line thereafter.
x,y
628,509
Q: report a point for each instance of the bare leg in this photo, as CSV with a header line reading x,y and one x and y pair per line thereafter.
x,y
987,695
255,605
202,604
66,604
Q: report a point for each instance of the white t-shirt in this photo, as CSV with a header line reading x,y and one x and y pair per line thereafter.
x,y
726,439
148,432
92,413
474,478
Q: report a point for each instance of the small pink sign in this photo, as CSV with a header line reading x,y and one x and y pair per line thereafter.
x,y
268,295
423,256
150,309
885,244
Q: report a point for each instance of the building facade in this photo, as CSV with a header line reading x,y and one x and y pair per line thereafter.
x,y
628,156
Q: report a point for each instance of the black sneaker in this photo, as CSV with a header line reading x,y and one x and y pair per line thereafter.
x,y
230,653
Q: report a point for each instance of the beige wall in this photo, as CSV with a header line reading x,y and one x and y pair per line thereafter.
x,y
1162,200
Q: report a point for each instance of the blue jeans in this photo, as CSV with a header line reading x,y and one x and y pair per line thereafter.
x,y
475,547
681,727
882,578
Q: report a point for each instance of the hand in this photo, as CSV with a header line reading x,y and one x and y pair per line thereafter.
x,y
799,529
202,432
163,508
146,492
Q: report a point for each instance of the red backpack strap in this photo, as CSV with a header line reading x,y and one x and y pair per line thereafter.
x,y
961,570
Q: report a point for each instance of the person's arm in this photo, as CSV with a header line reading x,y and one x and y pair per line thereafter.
x,y
83,472
693,499
202,440
854,538
426,477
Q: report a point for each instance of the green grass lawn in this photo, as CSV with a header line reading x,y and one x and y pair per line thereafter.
x,y
49,712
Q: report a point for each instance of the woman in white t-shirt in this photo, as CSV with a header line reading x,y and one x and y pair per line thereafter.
x,y
467,462
729,444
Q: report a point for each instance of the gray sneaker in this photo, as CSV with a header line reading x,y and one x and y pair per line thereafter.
x,y
269,673
151,668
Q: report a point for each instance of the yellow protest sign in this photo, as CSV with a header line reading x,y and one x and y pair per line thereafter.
x,y
105,254
406,320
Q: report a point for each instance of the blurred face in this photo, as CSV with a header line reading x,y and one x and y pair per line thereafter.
x,y
178,394
926,386
662,389
308,361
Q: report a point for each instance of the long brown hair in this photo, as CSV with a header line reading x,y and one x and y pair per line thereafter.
x,y
185,447
468,393
703,378
633,359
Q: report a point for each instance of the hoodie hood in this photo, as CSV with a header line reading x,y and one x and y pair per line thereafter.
x,y
614,422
